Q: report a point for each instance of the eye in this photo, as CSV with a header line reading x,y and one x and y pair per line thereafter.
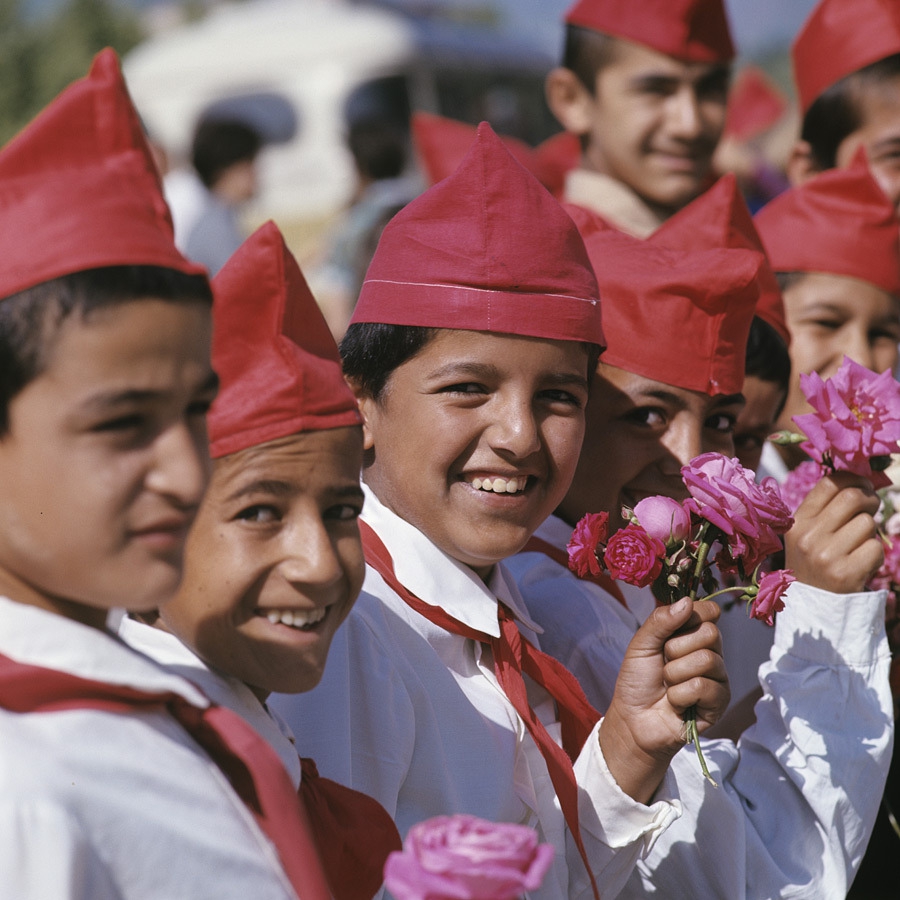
x,y
647,416
721,422
748,442
260,513
464,387
560,396
129,422
199,407
343,512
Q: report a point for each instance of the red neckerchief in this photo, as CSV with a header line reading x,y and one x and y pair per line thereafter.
x,y
539,545
513,656
353,833
248,762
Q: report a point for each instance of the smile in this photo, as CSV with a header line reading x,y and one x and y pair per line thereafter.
x,y
294,618
500,485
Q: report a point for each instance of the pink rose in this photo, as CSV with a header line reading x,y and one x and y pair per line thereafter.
x,y
634,556
888,574
750,515
664,518
467,858
856,418
768,600
800,482
589,534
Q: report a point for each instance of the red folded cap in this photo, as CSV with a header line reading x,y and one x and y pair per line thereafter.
x,y
486,249
680,317
841,37
79,190
277,362
839,222
692,30
754,105
719,218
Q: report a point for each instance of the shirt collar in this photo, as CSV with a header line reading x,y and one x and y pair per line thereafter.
x,y
613,200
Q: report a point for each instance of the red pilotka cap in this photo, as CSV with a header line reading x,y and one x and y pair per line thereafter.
x,y
755,104
680,317
79,189
278,365
691,30
839,223
487,249
719,218
841,37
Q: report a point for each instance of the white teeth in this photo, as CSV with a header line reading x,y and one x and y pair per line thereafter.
x,y
295,618
499,485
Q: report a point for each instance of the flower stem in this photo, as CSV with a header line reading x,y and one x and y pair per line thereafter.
x,y
737,589
693,736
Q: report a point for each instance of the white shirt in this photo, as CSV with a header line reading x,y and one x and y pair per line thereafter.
x,y
110,806
799,793
413,716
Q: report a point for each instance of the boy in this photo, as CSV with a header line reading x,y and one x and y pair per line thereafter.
x,y
773,841
644,86
469,354
834,242
273,562
846,62
114,774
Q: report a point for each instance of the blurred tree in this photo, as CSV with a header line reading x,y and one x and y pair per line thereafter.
x,y
38,58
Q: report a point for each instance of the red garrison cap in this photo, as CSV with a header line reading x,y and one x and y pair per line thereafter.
x,y
79,190
487,249
841,37
719,218
692,30
277,362
680,317
839,222
754,105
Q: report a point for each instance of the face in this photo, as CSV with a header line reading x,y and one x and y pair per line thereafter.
x,y
880,135
274,560
832,316
475,439
639,434
655,123
105,460
757,419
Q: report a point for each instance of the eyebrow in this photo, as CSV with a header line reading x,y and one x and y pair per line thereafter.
x,y
486,370
730,399
107,400
278,488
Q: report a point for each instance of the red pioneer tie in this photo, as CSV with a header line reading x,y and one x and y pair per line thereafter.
x,y
248,762
513,656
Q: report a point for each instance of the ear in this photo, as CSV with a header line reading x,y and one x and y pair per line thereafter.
x,y
366,409
569,100
801,165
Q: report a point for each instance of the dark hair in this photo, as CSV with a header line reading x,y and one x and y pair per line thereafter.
x,y
378,148
586,52
219,144
837,112
767,356
30,319
371,351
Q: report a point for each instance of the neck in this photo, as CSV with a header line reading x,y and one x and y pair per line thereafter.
x,y
19,590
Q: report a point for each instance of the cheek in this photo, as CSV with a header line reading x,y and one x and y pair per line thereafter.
x,y
885,357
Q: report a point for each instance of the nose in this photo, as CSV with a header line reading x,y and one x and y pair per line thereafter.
x,y
858,347
180,468
310,556
514,429
684,114
683,441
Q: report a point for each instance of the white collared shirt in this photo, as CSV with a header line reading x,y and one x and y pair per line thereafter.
x,y
798,795
414,716
97,805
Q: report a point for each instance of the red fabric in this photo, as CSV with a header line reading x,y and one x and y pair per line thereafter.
x,y
839,222
676,316
693,30
754,105
514,655
79,190
353,833
538,545
486,249
278,365
442,143
247,761
719,218
840,37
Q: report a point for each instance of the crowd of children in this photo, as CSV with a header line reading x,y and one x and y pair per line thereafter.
x,y
266,604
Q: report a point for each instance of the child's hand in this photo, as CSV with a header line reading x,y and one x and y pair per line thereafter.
x,y
833,543
673,662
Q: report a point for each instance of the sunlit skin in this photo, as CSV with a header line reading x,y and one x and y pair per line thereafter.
x,y
756,420
652,123
277,532
105,461
639,433
474,405
832,316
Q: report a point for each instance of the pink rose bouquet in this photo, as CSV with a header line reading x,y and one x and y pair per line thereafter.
x,y
467,858
670,545
589,532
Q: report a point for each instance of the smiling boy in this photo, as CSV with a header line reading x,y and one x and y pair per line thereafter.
x,y
113,771
469,352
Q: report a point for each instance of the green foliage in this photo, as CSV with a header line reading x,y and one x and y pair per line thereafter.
x,y
39,58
